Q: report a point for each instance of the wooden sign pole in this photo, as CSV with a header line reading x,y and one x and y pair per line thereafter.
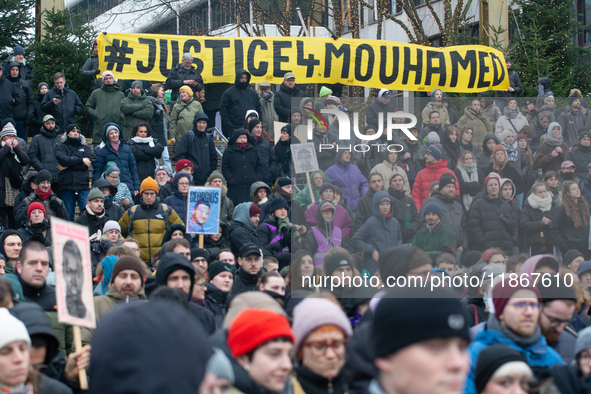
x,y
310,188
201,239
78,347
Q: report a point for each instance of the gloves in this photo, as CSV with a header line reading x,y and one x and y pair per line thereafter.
x,y
55,205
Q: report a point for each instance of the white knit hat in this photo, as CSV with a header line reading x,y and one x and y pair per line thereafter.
x,y
12,329
8,130
111,225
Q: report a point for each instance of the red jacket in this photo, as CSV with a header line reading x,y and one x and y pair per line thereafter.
x,y
424,179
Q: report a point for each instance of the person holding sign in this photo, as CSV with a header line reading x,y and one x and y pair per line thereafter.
x,y
178,201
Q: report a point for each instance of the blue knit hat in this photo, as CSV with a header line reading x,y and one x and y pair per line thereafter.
x,y
436,151
108,264
432,207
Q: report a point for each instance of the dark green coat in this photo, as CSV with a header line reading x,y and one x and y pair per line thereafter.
x,y
104,105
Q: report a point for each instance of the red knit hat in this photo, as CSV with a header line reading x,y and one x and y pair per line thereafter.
x,y
253,327
254,210
35,205
183,163
492,175
498,148
504,290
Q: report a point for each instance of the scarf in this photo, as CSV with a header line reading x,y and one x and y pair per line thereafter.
x,y
543,204
510,113
469,174
433,227
44,196
553,142
98,215
494,324
512,150
74,141
146,140
242,145
555,192
24,388
115,146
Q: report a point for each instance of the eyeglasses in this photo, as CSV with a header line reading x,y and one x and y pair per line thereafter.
x,y
202,284
184,183
585,358
554,321
523,305
113,176
320,347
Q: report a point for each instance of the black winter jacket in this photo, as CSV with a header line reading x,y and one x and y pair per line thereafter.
x,y
531,227
282,153
177,201
157,121
145,156
177,75
93,221
8,98
34,232
20,215
565,235
243,282
215,302
514,82
199,148
91,69
236,101
25,110
326,157
25,70
485,229
266,235
63,112
11,162
283,101
25,188
377,109
241,168
581,156
70,153
410,219
39,114
268,161
42,151
512,174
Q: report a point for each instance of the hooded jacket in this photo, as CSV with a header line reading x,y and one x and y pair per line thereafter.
x,y
63,112
198,147
341,218
146,152
492,111
241,168
267,158
113,211
387,170
215,247
544,158
25,109
39,114
177,201
243,231
34,232
303,197
243,282
434,105
236,101
42,151
11,162
425,177
104,105
377,109
8,98
479,123
136,110
326,228
148,226
485,228
349,179
378,233
483,158
25,70
452,215
71,153
215,302
409,220
581,156
285,99
21,217
123,158
174,227
182,117
572,123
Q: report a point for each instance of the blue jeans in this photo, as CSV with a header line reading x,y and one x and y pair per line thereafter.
x,y
69,198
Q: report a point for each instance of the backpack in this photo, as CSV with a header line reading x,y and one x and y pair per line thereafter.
x,y
166,213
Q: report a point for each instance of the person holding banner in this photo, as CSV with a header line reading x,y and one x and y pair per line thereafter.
x,y
236,101
184,74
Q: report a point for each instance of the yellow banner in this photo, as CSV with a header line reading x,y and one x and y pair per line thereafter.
x,y
369,63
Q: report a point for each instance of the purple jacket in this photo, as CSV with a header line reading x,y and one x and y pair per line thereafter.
x,y
349,179
341,219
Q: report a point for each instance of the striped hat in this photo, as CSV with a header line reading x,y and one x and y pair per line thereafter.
x,y
8,130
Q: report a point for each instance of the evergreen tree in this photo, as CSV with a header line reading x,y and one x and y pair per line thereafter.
x,y
548,47
65,46
16,24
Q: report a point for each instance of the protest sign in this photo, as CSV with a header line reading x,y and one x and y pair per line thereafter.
x,y
203,211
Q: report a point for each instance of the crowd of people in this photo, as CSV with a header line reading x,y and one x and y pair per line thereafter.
x,y
270,304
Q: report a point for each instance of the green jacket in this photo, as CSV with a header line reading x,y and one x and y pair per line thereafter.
x,y
104,304
104,105
182,117
303,197
432,242
136,109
